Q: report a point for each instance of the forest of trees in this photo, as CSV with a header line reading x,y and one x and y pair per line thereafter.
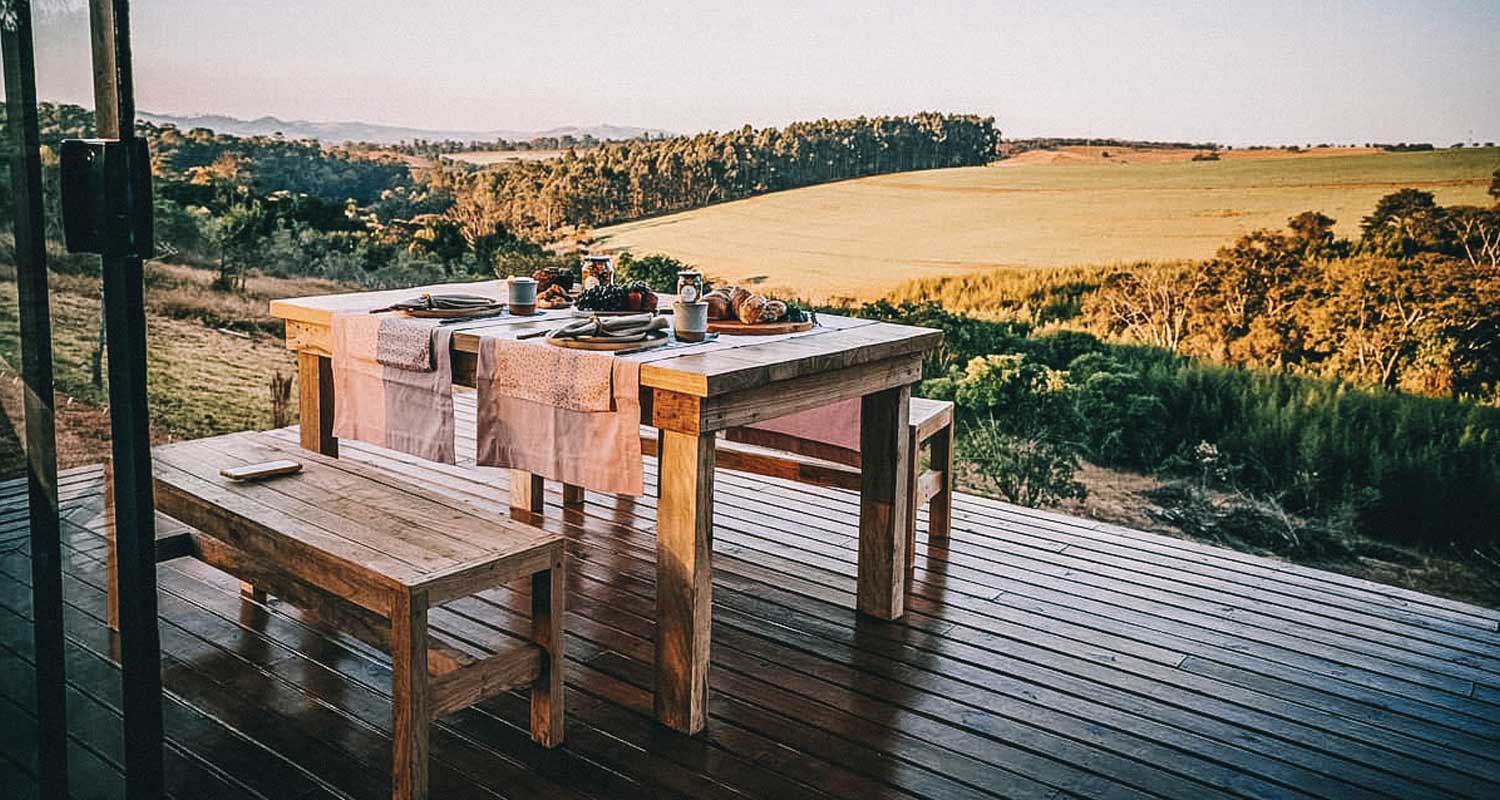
x,y
349,213
1412,304
436,148
620,181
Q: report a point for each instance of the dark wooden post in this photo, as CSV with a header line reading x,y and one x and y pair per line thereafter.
x,y
36,372
125,317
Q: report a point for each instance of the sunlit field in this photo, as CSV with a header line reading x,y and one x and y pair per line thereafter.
x,y
861,238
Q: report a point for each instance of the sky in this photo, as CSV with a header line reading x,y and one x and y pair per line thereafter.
x,y
1231,72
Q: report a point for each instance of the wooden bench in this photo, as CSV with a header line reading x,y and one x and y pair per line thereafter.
x,y
781,455
370,555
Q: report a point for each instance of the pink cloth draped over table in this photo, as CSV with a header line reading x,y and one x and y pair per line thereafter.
x,y
393,384
579,425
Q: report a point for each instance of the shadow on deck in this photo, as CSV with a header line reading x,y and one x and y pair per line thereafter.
x,y
1041,656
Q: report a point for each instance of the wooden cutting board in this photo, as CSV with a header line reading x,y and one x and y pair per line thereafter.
x,y
730,327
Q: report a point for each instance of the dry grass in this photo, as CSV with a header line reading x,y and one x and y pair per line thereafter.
x,y
1080,155
183,292
201,381
862,238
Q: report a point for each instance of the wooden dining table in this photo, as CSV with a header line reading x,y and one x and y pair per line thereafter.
x,y
690,398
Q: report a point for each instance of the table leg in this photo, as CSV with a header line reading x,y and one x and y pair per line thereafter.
x,y
572,495
884,487
913,469
528,492
684,547
410,703
315,403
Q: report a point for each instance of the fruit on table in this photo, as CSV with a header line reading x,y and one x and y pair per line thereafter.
x,y
635,296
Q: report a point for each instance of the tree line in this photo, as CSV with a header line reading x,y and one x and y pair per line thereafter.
x,y
436,148
356,214
619,181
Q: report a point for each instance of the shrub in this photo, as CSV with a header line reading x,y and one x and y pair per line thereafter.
x,y
657,270
1028,470
509,264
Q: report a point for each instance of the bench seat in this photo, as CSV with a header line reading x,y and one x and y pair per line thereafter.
x,y
370,555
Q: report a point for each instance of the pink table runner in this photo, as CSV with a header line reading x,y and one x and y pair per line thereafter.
x,y
566,415
382,393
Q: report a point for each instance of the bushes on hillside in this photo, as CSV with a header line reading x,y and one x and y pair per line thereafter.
x,y
656,270
1402,468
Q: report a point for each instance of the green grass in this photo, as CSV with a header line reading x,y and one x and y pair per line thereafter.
x,y
862,238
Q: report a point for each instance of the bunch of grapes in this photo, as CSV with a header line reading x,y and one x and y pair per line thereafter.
x,y
617,297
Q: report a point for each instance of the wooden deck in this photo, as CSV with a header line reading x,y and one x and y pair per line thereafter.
x,y
1041,656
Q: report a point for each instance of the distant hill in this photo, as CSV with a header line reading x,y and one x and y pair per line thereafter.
x,y
336,132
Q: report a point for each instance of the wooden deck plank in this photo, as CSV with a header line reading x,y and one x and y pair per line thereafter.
x,y
647,500
1041,656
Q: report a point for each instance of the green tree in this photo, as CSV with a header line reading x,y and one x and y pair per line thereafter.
x,y
1154,304
1246,307
1312,234
441,238
234,233
1403,223
657,270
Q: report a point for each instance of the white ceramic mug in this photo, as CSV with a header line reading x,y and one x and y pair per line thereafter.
x,y
522,295
690,320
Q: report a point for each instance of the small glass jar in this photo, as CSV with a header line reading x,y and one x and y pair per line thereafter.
x,y
598,271
690,286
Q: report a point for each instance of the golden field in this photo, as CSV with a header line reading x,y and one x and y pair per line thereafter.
x,y
862,238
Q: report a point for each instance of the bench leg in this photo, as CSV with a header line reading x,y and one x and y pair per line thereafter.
x,y
528,492
249,592
940,508
572,495
548,591
410,701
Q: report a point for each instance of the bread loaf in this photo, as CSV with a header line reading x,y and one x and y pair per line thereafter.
x,y
735,302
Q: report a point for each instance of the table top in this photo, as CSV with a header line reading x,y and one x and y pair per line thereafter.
x,y
337,520
840,342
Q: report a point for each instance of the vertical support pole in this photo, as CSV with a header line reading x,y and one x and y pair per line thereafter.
x,y
36,373
548,594
315,403
884,487
411,705
130,433
684,579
